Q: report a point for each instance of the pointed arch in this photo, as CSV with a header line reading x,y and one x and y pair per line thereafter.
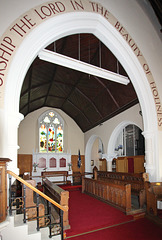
x,y
81,22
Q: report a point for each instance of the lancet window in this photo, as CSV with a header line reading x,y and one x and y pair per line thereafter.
x,y
51,132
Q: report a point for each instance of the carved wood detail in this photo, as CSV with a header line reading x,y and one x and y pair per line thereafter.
x,y
117,195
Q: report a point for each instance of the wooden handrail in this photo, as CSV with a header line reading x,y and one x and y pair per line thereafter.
x,y
64,208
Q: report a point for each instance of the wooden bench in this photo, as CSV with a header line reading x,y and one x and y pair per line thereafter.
x,y
137,181
60,196
154,194
114,194
56,174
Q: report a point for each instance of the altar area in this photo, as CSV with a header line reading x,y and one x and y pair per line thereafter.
x,y
51,162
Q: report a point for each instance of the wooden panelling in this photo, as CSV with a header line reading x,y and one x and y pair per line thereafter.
x,y
74,161
139,164
56,174
3,188
60,196
154,194
31,206
25,163
137,181
122,164
116,194
102,165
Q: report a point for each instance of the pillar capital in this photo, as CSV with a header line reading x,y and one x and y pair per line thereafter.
x,y
109,157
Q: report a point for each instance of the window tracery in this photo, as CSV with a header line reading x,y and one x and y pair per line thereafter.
x,y
51,132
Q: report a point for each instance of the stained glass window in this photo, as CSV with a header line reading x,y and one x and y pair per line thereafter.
x,y
51,132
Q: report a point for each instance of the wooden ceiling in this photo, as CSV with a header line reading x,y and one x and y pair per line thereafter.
x,y
89,100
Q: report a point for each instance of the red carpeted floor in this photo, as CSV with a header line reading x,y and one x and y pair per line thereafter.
x,y
141,229
87,213
91,219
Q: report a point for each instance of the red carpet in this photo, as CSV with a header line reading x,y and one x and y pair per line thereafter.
x,y
87,213
141,229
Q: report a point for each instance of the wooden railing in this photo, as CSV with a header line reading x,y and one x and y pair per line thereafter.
x,y
59,195
44,196
117,195
64,208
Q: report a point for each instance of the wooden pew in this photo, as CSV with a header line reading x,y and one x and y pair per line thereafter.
x,y
114,194
137,181
60,196
154,194
55,174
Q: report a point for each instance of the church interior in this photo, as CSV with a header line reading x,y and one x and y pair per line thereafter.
x,y
81,161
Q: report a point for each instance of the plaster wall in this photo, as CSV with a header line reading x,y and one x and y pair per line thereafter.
x,y
105,130
28,139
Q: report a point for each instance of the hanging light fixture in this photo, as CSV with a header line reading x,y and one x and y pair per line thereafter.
x,y
78,65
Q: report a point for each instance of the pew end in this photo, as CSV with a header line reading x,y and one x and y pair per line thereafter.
x,y
154,194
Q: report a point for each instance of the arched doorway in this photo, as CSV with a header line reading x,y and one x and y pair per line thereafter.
x,y
55,28
119,138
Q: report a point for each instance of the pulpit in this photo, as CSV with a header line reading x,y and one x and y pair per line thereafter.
x,y
3,188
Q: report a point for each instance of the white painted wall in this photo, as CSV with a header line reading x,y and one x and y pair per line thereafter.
x,y
75,139
104,131
28,139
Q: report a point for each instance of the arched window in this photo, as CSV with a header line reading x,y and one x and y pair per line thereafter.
x,y
51,132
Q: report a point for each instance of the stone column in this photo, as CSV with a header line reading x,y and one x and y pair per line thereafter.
x,y
12,120
149,155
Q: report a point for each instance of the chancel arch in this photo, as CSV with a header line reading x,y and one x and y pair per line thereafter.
x,y
63,25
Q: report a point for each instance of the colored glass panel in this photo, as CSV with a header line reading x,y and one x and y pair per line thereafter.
x,y
51,139
51,114
59,139
43,138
